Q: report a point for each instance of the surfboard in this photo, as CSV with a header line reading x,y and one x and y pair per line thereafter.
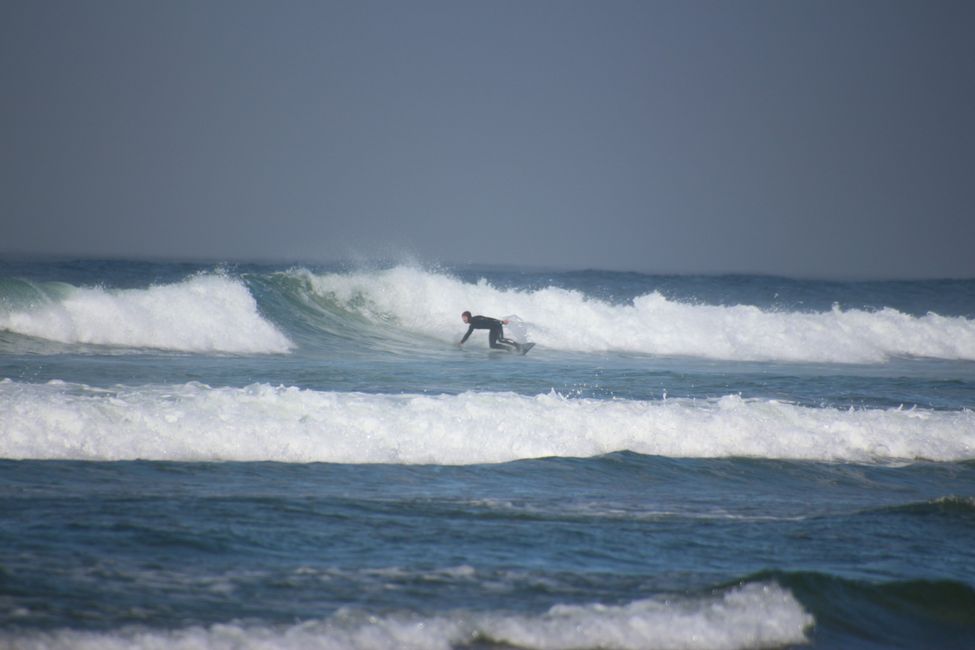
x,y
521,350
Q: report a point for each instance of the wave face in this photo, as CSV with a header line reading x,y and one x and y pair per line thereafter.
x,y
751,616
429,303
205,313
265,423
406,309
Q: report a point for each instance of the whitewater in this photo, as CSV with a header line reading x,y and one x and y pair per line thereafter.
x,y
205,313
216,313
194,422
753,616
275,456
568,319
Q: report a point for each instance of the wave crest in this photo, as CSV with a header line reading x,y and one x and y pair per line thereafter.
x,y
750,616
204,313
430,303
265,423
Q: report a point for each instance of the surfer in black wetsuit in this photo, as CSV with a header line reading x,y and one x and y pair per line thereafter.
x,y
496,331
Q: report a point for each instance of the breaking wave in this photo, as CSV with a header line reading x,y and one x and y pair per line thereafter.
x,y
429,304
751,616
207,313
194,422
409,309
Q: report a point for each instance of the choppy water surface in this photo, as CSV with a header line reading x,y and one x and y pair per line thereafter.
x,y
289,457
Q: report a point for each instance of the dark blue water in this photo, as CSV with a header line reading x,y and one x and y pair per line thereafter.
x,y
272,457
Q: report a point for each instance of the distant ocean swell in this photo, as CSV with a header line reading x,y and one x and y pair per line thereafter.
x,y
260,422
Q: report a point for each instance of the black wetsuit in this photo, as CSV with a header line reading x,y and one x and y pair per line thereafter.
x,y
495,336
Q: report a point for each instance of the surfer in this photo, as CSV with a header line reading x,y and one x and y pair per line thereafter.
x,y
496,331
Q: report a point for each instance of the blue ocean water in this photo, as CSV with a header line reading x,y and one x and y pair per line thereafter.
x,y
275,456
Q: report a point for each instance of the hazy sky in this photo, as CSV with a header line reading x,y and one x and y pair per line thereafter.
x,y
798,138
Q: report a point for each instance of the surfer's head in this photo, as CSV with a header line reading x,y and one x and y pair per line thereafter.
x,y
466,316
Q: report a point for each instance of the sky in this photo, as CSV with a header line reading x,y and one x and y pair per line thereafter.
x,y
799,138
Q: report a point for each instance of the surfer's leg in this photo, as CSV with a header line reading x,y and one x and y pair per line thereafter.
x,y
493,337
506,342
497,341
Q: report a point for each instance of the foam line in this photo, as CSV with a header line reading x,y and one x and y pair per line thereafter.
x,y
193,422
752,616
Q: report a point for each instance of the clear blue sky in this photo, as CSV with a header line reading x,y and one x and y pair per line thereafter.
x,y
797,138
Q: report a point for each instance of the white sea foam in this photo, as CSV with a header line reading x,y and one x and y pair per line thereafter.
x,y
204,313
260,422
752,616
431,303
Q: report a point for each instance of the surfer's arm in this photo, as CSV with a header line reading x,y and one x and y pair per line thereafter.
x,y
469,330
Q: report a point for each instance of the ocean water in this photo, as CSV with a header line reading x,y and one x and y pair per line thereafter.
x,y
201,456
